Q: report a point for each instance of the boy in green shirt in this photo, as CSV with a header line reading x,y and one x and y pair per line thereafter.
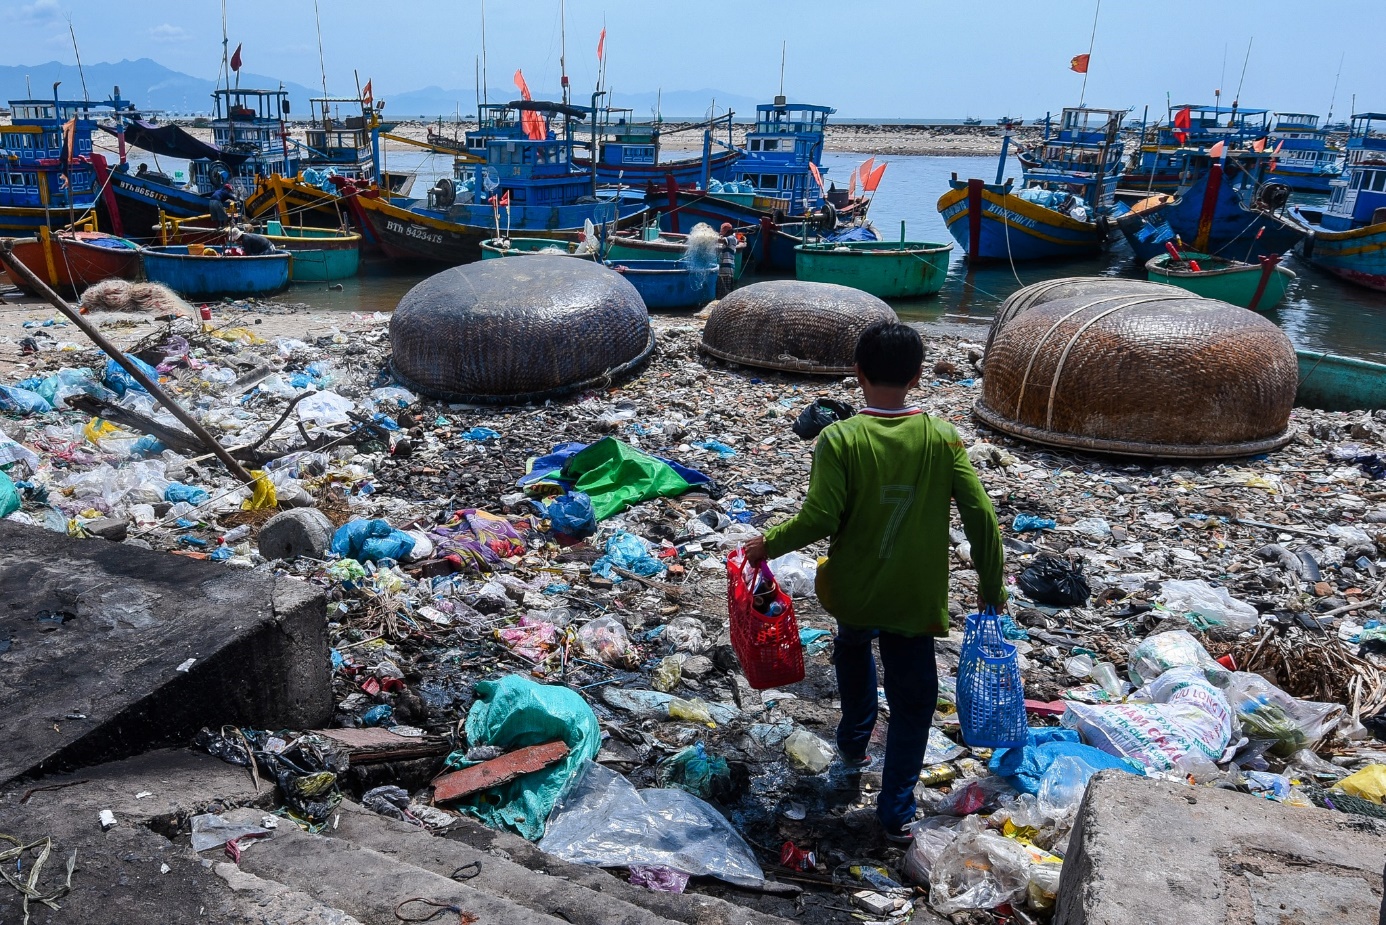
x,y
882,487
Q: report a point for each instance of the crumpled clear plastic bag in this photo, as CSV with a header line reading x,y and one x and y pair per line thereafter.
x,y
796,574
325,409
978,870
603,821
1159,653
606,640
1267,712
1207,607
931,836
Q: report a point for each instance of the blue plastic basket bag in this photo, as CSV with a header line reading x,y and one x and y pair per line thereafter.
x,y
991,695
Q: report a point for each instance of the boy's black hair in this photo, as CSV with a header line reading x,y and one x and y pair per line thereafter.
x,y
890,353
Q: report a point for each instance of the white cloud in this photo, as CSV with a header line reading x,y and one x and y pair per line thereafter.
x,y
38,11
169,33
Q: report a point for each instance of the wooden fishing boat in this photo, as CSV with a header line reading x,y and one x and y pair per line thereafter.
x,y
666,284
209,273
492,248
1348,237
320,254
1255,286
70,261
886,269
47,182
1338,383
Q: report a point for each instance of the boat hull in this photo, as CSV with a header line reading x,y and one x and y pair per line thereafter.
x,y
1304,182
494,248
1336,383
991,224
320,254
1210,217
1358,255
662,284
71,262
1238,285
885,269
214,277
139,202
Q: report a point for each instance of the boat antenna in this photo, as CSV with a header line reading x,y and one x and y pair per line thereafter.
x,y
476,80
485,97
563,47
783,46
1092,39
1334,97
322,66
1236,99
80,72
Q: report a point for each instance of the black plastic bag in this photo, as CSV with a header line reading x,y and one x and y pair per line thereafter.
x,y
817,416
1055,581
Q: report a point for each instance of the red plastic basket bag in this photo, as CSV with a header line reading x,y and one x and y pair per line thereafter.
x,y
765,637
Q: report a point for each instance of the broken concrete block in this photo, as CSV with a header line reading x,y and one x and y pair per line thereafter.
x,y
114,529
303,531
497,771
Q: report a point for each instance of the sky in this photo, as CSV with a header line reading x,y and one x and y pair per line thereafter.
x,y
884,59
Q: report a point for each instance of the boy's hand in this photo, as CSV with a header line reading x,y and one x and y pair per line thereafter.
x,y
755,550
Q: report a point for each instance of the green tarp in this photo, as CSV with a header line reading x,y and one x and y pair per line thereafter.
x,y
616,475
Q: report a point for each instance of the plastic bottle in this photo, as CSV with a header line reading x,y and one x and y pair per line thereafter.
x,y
236,534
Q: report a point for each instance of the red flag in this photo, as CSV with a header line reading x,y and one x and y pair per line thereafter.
x,y
601,44
1258,145
1276,160
874,180
236,59
818,177
1182,123
522,86
367,97
65,161
505,199
864,171
1218,149
1079,64
852,187
536,129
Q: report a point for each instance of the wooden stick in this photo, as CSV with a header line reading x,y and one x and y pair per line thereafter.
x,y
1242,521
8,258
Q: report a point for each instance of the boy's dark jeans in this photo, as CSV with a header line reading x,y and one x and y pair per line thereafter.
x,y
911,689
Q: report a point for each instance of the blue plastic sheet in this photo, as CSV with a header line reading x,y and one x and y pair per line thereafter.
x,y
515,712
627,552
1023,768
371,541
721,449
9,496
572,515
22,401
1024,523
177,491
120,382
478,434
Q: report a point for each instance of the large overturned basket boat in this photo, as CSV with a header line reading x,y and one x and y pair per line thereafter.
x,y
792,326
516,331
1150,372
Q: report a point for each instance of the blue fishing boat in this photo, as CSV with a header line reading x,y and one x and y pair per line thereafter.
x,y
773,182
1061,209
1161,163
1348,237
527,186
1229,211
44,183
669,283
249,140
1304,159
628,153
200,271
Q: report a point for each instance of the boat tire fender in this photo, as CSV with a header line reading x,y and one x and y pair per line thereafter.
x,y
219,173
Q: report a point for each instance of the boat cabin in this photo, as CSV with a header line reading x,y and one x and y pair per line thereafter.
x,y
1084,157
343,144
32,148
1359,197
1303,147
785,139
248,123
494,120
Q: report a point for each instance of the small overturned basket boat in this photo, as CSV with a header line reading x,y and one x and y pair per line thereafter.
x,y
517,331
792,326
1257,286
1152,372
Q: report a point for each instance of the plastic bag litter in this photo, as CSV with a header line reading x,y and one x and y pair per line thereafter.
x,y
1206,606
1308,767
388,800
22,401
177,492
393,397
980,795
1184,727
686,634
212,831
694,771
1023,523
818,416
1056,581
606,640
808,752
978,870
530,639
1025,768
931,836
9,496
1062,787
1267,712
629,552
796,574
119,381
512,713
12,452
602,820
371,541
572,515
658,879
1155,655
325,409
1368,783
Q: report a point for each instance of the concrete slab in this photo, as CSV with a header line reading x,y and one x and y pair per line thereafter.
x,y
1167,854
140,648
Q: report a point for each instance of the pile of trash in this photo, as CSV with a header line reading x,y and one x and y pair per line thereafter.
x,y
545,587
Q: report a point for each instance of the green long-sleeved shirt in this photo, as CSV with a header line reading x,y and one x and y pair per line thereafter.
x,y
882,487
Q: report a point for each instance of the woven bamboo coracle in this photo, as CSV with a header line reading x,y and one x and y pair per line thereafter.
x,y
1153,374
792,326
518,329
1027,297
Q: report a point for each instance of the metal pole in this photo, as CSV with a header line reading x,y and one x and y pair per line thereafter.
x,y
8,258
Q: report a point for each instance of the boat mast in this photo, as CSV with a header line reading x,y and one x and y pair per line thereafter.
x,y
563,48
485,98
1092,39
322,65
80,71
1334,97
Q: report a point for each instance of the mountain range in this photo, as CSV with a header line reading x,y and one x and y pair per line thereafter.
x,y
150,85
